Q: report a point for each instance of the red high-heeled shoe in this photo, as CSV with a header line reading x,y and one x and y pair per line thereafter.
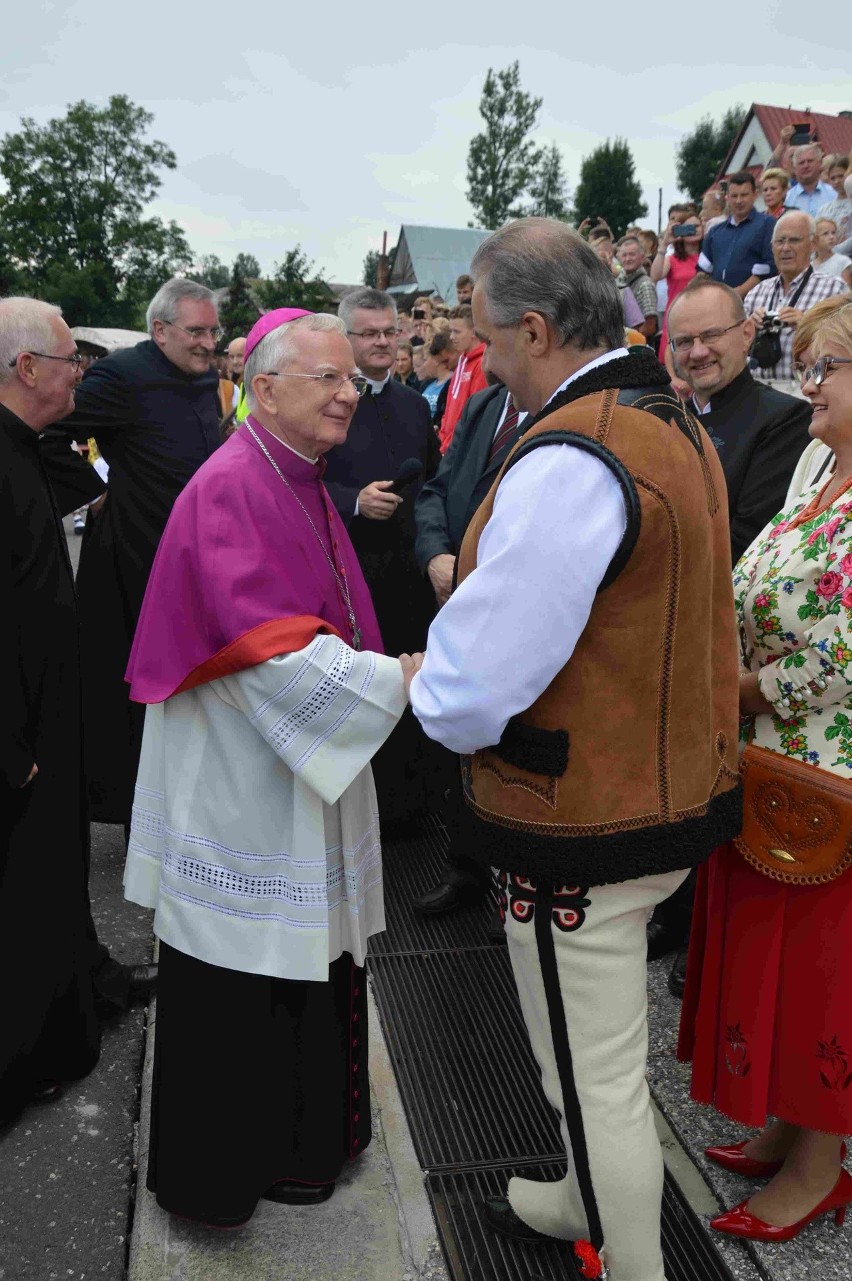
x,y
739,1222
734,1159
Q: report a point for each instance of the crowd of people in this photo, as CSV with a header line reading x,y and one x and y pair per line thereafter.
x,y
475,558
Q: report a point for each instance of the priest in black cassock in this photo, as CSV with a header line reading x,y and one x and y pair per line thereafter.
x,y
391,426
47,1015
154,412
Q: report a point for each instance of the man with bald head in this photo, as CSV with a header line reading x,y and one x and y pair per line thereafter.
x,y
50,1032
236,359
786,297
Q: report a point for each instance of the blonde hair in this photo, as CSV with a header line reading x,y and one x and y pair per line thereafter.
x,y
780,175
835,161
824,323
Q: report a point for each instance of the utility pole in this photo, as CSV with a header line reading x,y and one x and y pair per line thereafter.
x,y
383,268
660,212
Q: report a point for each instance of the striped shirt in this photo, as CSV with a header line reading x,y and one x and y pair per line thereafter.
x,y
772,295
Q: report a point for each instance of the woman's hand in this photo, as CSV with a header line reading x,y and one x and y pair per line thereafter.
x,y
410,664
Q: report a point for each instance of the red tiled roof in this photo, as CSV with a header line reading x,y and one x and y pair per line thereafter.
x,y
833,133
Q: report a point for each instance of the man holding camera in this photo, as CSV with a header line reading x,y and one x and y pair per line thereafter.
x,y
777,305
808,193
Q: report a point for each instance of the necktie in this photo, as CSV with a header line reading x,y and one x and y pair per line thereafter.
x,y
505,431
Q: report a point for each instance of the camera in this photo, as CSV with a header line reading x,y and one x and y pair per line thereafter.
x,y
419,313
766,348
772,323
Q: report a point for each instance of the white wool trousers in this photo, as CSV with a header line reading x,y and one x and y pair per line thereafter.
x,y
579,959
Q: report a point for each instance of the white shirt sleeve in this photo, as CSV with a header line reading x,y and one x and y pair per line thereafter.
x,y
324,710
513,623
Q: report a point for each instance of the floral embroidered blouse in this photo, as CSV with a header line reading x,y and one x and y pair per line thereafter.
x,y
793,590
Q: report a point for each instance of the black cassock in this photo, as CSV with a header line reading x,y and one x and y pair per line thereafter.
x,y
49,1029
388,428
155,426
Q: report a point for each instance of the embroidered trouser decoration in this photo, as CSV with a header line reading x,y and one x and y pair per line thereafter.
x,y
578,957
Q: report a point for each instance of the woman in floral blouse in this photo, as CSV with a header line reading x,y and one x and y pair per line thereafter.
x,y
767,1012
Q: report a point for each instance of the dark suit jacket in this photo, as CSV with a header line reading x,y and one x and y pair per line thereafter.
x,y
386,430
760,434
447,503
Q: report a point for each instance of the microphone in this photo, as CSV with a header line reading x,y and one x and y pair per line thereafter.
x,y
408,472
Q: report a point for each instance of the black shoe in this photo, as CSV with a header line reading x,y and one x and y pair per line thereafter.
x,y
677,978
290,1192
446,898
143,983
502,1218
661,940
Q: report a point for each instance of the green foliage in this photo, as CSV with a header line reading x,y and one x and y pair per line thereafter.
x,y
295,284
210,271
702,152
248,266
239,311
371,268
548,188
608,187
501,160
73,216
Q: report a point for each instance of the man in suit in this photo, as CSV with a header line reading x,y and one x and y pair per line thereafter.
x,y
487,430
760,434
391,425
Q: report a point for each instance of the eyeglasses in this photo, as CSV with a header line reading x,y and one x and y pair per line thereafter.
x,y
707,336
76,360
373,334
818,373
330,381
199,331
787,240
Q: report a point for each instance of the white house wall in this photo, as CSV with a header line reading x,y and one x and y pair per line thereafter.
x,y
753,137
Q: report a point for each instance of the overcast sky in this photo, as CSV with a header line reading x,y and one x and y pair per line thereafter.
x,y
327,123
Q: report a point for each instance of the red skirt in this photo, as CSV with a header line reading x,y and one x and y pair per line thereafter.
x,y
767,1012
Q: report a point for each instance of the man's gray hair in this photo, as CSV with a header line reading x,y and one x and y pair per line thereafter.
x,y
25,325
164,305
795,213
276,348
805,147
539,264
369,299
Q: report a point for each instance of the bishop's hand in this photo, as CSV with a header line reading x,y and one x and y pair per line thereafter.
x,y
410,664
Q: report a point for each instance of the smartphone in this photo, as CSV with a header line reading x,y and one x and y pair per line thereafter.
x,y
801,134
418,314
685,229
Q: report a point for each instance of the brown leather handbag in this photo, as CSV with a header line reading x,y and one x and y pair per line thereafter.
x,y
797,819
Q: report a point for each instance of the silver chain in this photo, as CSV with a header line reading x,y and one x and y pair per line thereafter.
x,y
341,582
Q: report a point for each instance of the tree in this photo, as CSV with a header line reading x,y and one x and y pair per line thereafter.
x,y
371,268
248,266
701,153
502,160
608,187
239,311
210,271
76,192
548,188
294,284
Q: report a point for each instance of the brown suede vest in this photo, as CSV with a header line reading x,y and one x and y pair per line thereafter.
x,y
626,765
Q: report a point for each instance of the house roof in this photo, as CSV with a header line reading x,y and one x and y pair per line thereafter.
x,y
833,133
429,259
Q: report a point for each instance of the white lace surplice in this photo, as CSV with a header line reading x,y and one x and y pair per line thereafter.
x,y
255,831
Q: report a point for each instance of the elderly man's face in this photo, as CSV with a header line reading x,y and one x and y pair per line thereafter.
x,y
311,416
712,206
807,165
717,353
189,342
504,357
792,244
374,339
56,379
631,255
236,358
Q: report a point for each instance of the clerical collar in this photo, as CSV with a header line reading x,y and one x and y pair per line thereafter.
x,y
725,394
377,386
313,461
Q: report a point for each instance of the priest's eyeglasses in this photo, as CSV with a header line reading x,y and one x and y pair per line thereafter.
x,y
332,382
76,360
706,337
818,373
199,331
